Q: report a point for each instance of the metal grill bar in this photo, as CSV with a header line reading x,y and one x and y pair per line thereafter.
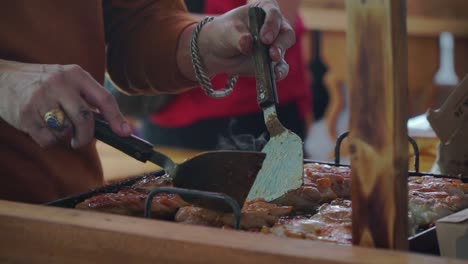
x,y
195,194
340,139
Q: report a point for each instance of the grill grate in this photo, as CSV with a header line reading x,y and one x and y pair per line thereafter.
x,y
423,242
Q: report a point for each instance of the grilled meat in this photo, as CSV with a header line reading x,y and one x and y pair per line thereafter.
x,y
132,202
258,213
332,223
199,216
255,215
322,183
432,198
151,182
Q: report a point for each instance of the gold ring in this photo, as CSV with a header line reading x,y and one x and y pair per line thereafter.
x,y
55,119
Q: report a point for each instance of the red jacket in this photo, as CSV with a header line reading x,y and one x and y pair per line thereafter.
x,y
194,105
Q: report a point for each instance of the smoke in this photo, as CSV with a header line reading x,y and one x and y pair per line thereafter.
x,y
243,142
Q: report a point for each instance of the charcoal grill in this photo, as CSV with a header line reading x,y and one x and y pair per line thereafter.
x,y
424,241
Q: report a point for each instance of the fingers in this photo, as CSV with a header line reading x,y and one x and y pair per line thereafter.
x,y
276,31
75,92
39,132
43,136
273,21
278,34
284,41
80,116
226,42
62,100
94,94
36,89
60,126
281,70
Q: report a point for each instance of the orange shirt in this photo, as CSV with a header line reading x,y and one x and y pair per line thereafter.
x,y
141,38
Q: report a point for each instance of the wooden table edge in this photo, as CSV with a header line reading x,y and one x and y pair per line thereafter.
x,y
41,234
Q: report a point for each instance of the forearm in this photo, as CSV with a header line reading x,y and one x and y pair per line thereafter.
x,y
184,62
198,16
142,49
184,58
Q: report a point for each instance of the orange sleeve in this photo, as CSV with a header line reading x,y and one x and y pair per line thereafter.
x,y
142,38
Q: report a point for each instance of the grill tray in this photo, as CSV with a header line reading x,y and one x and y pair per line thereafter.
x,y
423,242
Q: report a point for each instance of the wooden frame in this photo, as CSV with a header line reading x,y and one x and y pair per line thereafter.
x,y
39,234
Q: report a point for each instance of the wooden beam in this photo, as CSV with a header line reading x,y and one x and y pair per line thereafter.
x,y
425,17
39,234
378,79
426,8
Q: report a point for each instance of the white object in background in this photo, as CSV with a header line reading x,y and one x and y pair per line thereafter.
x,y
418,126
446,74
319,144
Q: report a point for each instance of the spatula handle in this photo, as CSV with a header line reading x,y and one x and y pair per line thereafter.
x,y
266,86
132,145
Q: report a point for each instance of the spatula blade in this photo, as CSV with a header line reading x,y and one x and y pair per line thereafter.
x,y
282,169
228,172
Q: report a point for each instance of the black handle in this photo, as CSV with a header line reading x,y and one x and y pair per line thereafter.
x,y
266,86
132,145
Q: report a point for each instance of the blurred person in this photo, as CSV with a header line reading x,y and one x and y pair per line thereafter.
x,y
53,55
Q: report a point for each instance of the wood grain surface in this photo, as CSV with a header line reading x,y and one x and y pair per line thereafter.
x,y
117,165
39,234
425,17
377,61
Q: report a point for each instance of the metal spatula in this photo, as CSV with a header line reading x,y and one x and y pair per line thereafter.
x,y
227,172
282,169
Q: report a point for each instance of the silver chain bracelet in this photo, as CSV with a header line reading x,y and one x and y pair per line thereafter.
x,y
202,78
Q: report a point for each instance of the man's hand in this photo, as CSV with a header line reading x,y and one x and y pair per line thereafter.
x,y
226,43
31,90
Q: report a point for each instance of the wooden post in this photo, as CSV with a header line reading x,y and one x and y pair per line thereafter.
x,y
377,60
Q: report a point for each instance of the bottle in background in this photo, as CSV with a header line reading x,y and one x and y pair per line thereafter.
x,y
446,79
